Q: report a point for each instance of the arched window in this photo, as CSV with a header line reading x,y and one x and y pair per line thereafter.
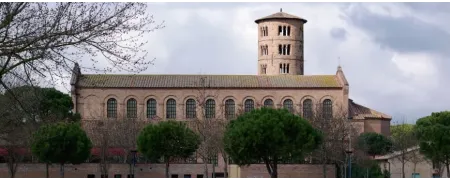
x,y
327,109
171,109
249,105
210,108
289,105
151,108
191,109
289,30
280,49
267,49
268,103
229,109
132,108
111,108
307,109
267,31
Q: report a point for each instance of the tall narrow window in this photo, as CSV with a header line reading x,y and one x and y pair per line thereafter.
x,y
111,108
288,49
151,108
262,31
284,30
249,105
289,30
263,69
280,30
262,50
171,109
327,109
289,105
191,109
307,109
267,31
229,109
280,49
268,103
281,68
267,49
287,69
132,108
210,108
284,49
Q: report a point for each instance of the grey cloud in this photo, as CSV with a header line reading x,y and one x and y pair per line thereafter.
x,y
407,35
338,33
401,34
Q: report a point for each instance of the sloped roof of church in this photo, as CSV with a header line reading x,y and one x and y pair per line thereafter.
x,y
211,81
280,15
357,111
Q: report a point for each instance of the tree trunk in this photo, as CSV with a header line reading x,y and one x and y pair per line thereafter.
x,y
167,169
275,170
403,168
225,167
61,170
414,169
205,163
213,170
46,171
448,170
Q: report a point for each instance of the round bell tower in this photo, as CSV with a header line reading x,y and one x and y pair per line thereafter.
x,y
280,44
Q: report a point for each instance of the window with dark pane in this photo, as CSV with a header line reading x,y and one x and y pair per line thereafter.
x,y
191,109
307,109
151,108
132,108
249,105
268,103
229,109
210,108
289,105
111,108
327,109
171,109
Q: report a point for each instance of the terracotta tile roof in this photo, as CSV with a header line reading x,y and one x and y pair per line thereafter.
x,y
213,81
357,111
280,15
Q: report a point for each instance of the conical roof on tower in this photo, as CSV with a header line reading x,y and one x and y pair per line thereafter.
x,y
280,15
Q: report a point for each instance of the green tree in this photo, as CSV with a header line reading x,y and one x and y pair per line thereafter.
x,y
169,140
63,143
432,133
270,136
374,144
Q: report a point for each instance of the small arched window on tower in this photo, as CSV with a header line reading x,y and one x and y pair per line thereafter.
x,y
288,49
287,69
262,31
262,50
267,49
263,68
284,31
289,30
280,49
280,30
267,31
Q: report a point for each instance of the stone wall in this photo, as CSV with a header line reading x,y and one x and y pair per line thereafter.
x,y
158,170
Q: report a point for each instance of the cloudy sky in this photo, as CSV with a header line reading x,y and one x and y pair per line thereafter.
x,y
394,55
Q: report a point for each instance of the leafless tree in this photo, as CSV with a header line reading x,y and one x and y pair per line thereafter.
x,y
46,39
336,130
415,157
208,124
403,140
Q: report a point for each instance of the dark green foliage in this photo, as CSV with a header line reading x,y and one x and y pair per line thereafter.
x,y
61,143
371,168
374,144
36,103
169,140
433,135
270,136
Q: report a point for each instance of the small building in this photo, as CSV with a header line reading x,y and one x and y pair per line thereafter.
x,y
416,166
